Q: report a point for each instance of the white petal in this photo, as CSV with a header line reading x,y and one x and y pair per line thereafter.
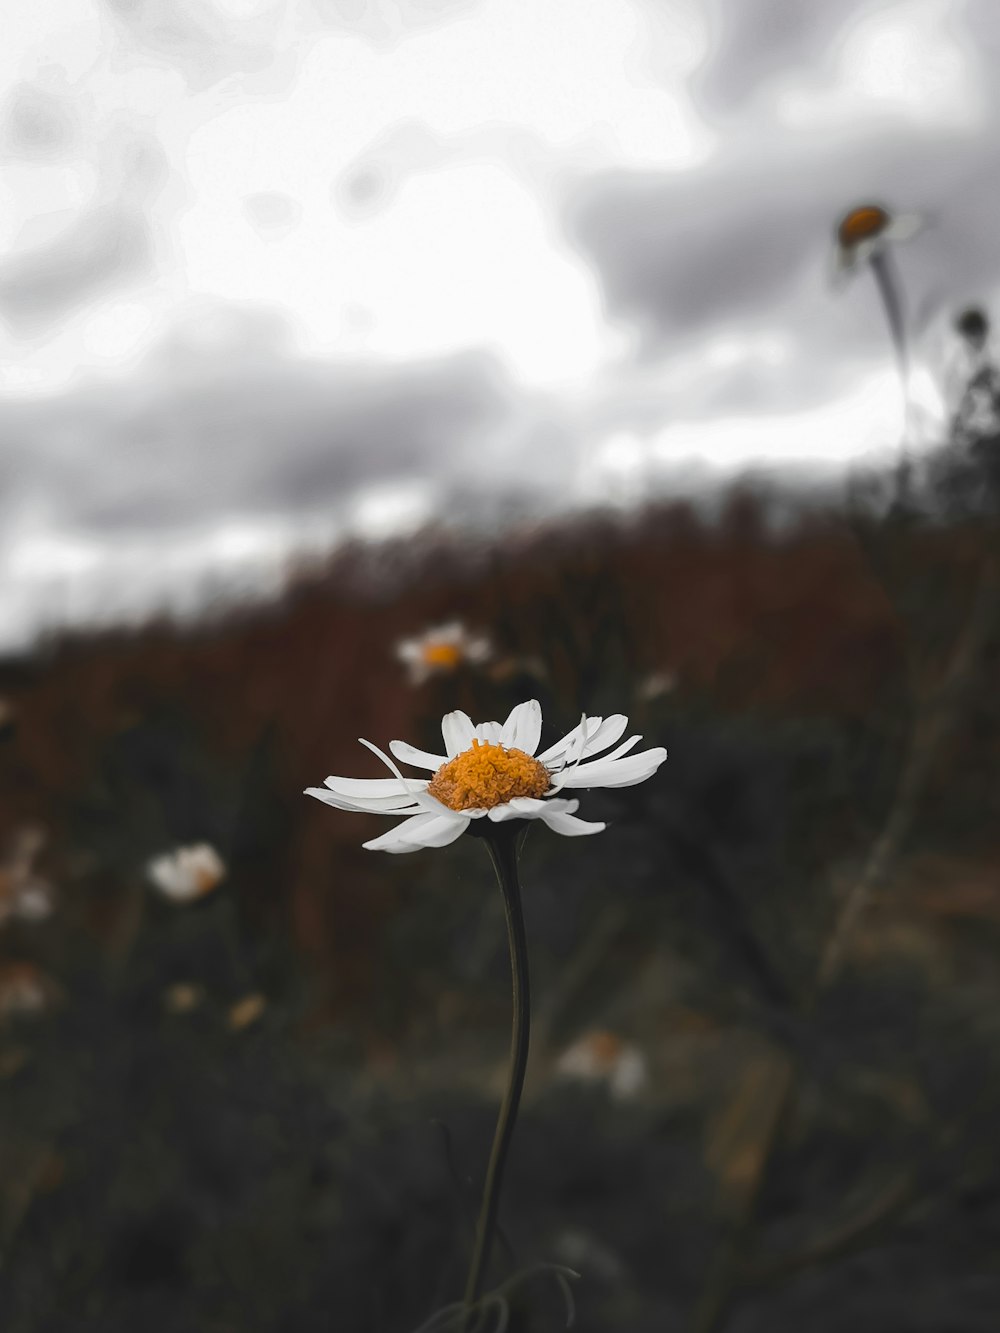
x,y
417,788
370,805
905,226
529,807
365,787
409,754
569,825
557,751
610,730
420,831
864,250
523,728
489,731
457,731
578,746
612,772
622,749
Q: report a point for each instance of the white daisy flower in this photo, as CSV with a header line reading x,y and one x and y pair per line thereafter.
x,y
187,873
655,686
603,1057
23,893
491,771
442,650
867,230
34,900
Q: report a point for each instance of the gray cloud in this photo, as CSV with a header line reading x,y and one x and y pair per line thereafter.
x,y
107,245
104,248
202,42
225,436
36,124
206,44
756,41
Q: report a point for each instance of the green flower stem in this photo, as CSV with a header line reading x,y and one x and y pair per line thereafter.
x,y
503,844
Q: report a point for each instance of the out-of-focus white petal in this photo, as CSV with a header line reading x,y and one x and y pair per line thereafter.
x,y
457,732
409,754
478,650
34,900
568,824
905,226
854,256
523,728
630,1074
187,873
489,731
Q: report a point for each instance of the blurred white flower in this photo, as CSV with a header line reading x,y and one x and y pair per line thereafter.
x,y
34,900
600,1056
183,997
582,1250
25,895
187,873
442,650
246,1011
655,686
866,231
23,990
490,771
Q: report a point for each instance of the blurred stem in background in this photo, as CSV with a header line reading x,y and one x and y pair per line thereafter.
x,y
890,291
936,718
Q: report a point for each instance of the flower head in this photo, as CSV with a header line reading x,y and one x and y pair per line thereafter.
x,y
187,873
973,326
864,232
492,771
602,1057
442,650
24,894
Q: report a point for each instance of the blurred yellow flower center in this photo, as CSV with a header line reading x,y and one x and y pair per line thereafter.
x,y
488,775
862,223
446,655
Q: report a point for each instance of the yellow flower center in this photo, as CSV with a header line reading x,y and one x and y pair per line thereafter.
x,y
487,775
862,223
446,655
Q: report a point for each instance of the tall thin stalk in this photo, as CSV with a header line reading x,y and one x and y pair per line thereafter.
x,y
503,844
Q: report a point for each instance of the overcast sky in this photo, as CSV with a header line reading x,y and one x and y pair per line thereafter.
x,y
271,270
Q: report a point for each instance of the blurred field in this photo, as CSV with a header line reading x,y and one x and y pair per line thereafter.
x,y
270,1109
